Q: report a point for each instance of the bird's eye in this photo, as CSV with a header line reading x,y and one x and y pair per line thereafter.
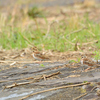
x,y
82,57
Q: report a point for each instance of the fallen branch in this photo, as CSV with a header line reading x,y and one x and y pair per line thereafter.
x,y
11,61
80,96
55,89
16,56
35,79
16,84
42,77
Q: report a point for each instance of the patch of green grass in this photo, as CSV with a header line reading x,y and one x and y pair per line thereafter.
x,y
97,55
58,38
42,65
72,61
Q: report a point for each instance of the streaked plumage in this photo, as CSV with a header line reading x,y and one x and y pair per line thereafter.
x,y
38,56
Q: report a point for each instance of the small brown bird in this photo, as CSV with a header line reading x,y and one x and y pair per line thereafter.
x,y
38,56
88,61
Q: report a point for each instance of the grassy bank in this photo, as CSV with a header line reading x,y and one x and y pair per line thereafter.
x,y
61,31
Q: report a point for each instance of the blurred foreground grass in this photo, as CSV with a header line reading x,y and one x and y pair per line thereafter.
x,y
59,31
